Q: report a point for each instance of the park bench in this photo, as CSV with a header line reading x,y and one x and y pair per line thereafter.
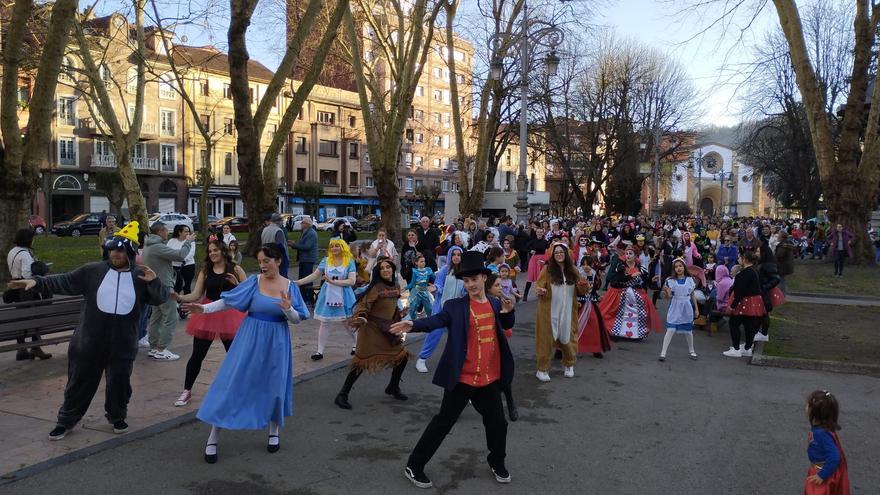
x,y
57,317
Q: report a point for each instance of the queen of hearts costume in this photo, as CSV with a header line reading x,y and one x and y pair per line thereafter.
x,y
626,307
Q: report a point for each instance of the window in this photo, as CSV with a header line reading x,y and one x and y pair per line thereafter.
x,y
447,119
446,141
352,150
437,118
508,179
532,183
419,138
327,148
352,121
328,177
420,91
455,187
419,183
168,157
399,183
105,74
24,94
103,148
419,115
436,184
66,111
131,80
437,72
436,140
437,95
227,164
67,69
166,122
253,92
67,151
410,135
228,126
67,183
300,174
353,179
369,182
206,122
446,97
436,163
326,117
203,160
227,91
204,87
409,184
417,161
166,87
445,186
459,78
301,145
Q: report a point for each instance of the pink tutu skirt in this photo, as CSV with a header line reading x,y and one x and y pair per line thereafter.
x,y
222,324
535,267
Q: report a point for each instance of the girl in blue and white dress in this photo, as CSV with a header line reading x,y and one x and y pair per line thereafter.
x,y
253,388
336,298
683,309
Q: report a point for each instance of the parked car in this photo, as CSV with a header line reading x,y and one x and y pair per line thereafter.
x,y
37,224
82,224
236,224
172,220
195,221
328,225
294,222
353,222
369,223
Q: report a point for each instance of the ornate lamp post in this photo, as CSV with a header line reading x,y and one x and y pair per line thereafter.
x,y
548,36
698,161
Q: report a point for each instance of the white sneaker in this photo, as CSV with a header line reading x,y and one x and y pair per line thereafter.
x,y
760,337
421,367
144,342
152,352
746,353
165,355
543,376
184,398
732,352
569,371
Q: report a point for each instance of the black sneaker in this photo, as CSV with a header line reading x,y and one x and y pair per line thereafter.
x,y
317,356
58,433
418,477
501,474
120,427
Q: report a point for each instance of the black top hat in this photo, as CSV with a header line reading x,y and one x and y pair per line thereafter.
x,y
471,264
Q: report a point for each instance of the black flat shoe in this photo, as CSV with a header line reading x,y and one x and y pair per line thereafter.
x,y
40,353
317,356
273,448
342,401
23,356
598,355
210,458
396,393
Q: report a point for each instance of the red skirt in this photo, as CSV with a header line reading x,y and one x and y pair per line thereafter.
x,y
210,326
593,335
610,306
535,267
777,297
749,306
837,483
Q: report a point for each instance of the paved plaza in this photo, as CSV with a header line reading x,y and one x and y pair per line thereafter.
x,y
626,424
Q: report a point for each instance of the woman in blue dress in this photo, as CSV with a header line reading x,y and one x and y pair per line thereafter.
x,y
336,298
254,387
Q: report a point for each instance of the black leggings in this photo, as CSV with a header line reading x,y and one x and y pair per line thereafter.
x,y
194,365
184,280
751,325
839,257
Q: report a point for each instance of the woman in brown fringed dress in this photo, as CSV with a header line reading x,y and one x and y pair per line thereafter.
x,y
377,348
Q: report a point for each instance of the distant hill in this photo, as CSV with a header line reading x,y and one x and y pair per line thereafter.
x,y
727,136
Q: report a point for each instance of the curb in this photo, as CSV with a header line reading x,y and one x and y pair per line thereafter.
x,y
834,296
759,359
154,429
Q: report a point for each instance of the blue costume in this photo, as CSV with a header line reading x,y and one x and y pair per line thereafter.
x,y
419,297
334,302
455,289
255,382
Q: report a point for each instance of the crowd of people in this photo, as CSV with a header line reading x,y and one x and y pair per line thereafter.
x,y
596,280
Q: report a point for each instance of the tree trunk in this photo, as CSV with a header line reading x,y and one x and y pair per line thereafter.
x,y
385,173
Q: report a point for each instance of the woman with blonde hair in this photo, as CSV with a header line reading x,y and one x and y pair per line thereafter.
x,y
336,298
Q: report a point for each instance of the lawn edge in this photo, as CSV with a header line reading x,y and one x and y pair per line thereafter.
x,y
761,359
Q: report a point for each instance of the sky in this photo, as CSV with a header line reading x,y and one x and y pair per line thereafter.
x,y
712,59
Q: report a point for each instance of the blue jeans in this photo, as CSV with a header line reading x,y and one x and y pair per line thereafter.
x,y
430,343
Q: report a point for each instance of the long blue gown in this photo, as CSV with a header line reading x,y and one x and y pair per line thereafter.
x,y
254,385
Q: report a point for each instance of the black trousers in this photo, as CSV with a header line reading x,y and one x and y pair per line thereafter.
x,y
84,376
306,268
750,324
839,258
487,402
194,365
185,275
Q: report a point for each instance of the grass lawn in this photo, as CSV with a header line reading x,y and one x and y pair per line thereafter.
x,y
817,276
825,332
68,253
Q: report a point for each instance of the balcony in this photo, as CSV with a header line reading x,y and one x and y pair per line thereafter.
x,y
149,130
139,163
331,188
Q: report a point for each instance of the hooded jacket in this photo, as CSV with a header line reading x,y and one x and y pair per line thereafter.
x,y
158,256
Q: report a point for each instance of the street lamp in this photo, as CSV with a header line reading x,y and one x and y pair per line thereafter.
x,y
732,206
698,161
548,36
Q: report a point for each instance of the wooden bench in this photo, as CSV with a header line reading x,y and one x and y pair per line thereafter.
x,y
58,317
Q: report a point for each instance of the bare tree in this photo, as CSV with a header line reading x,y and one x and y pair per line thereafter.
x,y
24,149
398,36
